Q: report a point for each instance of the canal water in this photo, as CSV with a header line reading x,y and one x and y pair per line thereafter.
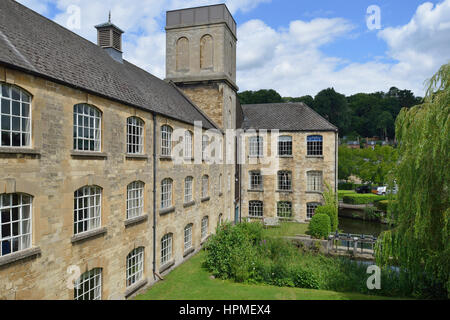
x,y
357,226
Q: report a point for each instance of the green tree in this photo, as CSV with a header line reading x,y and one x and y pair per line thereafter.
x,y
333,106
260,96
420,241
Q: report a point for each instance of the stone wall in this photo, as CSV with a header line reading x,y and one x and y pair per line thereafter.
x,y
299,164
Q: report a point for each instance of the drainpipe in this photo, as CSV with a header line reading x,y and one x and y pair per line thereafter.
x,y
154,195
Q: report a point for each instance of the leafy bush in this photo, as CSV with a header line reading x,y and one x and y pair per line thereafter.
x,y
362,198
331,212
382,205
346,186
305,278
320,225
371,213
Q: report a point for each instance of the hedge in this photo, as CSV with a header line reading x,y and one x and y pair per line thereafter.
x,y
331,212
362,198
320,226
346,186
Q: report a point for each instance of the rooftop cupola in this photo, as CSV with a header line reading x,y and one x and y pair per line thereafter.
x,y
109,37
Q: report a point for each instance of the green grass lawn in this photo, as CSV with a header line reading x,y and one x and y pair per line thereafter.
x,y
190,281
287,229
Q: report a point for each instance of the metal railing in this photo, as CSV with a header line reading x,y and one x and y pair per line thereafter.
x,y
357,243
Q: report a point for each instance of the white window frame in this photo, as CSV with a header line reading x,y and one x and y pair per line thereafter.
x,y
135,266
135,199
205,186
314,181
87,128
204,231
135,135
311,209
284,180
89,285
205,142
90,199
285,146
166,193
255,209
166,140
18,123
166,248
284,209
256,146
255,182
15,222
188,189
188,145
188,237
314,145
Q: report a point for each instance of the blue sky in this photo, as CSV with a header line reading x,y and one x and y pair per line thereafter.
x,y
296,47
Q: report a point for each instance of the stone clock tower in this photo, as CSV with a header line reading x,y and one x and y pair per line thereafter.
x,y
201,59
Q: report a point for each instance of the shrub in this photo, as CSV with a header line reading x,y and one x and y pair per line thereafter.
x,y
305,278
320,226
371,213
331,212
346,186
362,198
382,205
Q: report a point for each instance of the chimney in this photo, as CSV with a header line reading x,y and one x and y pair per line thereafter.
x,y
109,37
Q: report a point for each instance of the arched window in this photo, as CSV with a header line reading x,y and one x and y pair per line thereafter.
x,y
89,285
188,145
284,180
15,222
166,140
255,209
15,117
182,54
205,142
204,227
188,237
205,186
135,266
285,146
314,181
135,199
315,146
284,209
188,187
135,135
86,128
311,209
166,249
166,193
206,52
87,209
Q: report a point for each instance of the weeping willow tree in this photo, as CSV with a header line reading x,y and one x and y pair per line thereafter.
x,y
420,240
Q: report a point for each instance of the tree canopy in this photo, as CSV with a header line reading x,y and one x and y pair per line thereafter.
x,y
361,114
420,241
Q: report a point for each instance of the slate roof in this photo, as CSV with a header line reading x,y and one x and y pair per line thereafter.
x,y
34,44
285,117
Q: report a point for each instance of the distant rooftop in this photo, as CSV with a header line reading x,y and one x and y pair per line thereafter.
x,y
200,16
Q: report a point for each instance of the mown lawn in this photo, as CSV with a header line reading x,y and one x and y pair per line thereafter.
x,y
191,282
342,193
287,229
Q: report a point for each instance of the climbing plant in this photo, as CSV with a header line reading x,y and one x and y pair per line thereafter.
x,y
420,241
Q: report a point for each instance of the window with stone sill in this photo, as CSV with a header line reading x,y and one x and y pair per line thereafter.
x,y
204,227
135,199
314,181
135,266
89,285
135,136
188,237
205,186
255,209
314,145
15,117
15,222
255,180
284,209
166,140
311,209
285,146
166,249
86,128
256,145
166,193
87,209
188,145
284,181
188,187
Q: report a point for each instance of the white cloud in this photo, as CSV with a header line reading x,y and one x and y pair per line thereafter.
x,y
289,60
